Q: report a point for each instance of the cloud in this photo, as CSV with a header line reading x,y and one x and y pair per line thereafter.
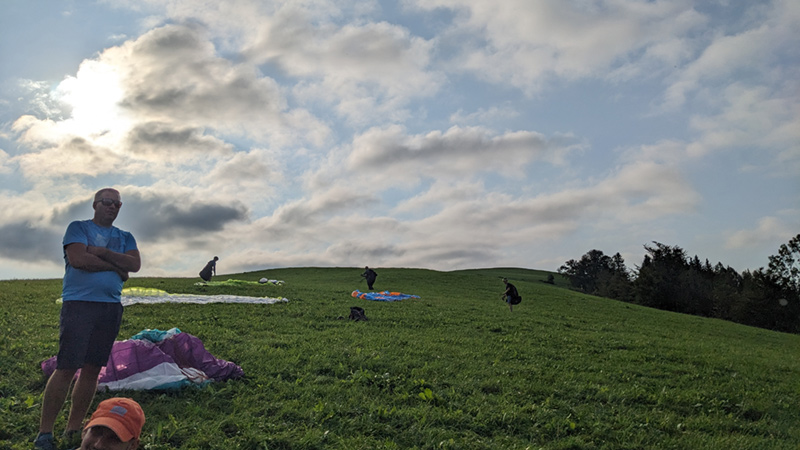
x,y
164,105
440,193
364,70
159,217
753,118
768,230
172,73
246,167
25,241
36,95
456,152
166,141
483,115
750,55
4,163
73,156
639,192
168,77
528,44
379,53
308,216
725,55
459,223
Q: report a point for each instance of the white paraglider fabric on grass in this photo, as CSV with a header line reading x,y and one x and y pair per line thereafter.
x,y
136,295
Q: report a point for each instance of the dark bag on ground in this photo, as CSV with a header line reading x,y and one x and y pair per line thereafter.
x,y
357,313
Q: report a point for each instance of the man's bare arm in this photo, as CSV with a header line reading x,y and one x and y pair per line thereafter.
x,y
129,261
79,257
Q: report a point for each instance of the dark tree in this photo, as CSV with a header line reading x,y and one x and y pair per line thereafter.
x,y
599,274
784,268
658,283
668,279
583,274
615,281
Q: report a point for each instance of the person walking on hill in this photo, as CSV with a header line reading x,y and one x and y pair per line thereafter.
x,y
370,275
98,259
510,295
209,269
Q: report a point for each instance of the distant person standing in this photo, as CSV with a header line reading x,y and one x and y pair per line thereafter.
x,y
370,275
511,295
98,258
209,269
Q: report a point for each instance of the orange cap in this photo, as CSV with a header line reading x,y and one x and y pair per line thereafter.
x,y
122,415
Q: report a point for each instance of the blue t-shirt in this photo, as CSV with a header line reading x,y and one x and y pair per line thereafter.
x,y
94,286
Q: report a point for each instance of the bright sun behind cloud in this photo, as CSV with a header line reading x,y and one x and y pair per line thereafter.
x,y
94,96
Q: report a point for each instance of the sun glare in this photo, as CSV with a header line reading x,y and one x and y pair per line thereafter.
x,y
93,96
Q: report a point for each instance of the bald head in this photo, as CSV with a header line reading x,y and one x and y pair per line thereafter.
x,y
99,195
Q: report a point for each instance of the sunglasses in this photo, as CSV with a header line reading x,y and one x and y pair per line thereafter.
x,y
109,201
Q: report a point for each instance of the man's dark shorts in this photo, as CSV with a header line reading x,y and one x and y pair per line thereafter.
x,y
88,331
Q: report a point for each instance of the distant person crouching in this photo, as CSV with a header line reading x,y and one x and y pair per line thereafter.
x,y
209,270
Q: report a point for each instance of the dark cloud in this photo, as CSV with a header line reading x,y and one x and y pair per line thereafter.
x,y
456,151
80,209
157,217
174,74
162,217
24,241
163,138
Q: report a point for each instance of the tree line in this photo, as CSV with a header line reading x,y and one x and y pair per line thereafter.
x,y
668,279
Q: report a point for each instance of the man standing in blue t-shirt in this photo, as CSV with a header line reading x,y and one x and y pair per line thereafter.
x,y
98,257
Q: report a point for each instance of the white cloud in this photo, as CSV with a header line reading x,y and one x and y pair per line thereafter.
x,y
768,230
364,70
726,54
482,115
753,118
750,55
4,159
440,194
527,43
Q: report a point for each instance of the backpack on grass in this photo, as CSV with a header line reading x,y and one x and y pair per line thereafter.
x,y
514,297
357,313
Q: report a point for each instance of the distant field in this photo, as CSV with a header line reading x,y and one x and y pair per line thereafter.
x,y
451,370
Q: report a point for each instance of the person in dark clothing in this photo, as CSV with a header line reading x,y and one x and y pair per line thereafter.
x,y
209,269
510,295
370,275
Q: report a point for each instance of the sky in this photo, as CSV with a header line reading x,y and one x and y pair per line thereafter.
x,y
439,134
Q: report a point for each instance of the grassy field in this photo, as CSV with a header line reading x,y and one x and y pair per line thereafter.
x,y
451,370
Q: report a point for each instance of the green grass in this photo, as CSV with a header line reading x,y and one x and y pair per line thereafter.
x,y
452,370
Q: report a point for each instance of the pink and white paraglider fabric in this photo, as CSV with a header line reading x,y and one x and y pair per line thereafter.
x,y
159,360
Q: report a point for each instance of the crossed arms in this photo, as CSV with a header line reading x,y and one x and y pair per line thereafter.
x,y
101,259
